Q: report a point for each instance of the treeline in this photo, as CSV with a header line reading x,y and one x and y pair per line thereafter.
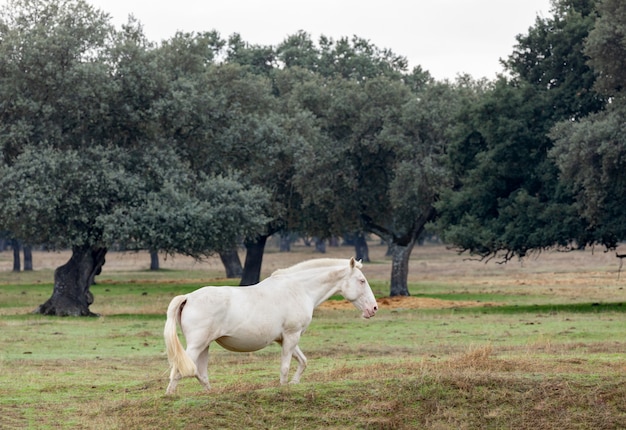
x,y
196,143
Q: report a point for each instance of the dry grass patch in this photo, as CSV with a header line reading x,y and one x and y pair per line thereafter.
x,y
474,388
416,398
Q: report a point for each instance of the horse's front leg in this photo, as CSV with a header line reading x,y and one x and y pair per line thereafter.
x,y
289,344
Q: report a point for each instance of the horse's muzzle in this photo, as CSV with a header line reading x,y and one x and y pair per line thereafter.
x,y
370,312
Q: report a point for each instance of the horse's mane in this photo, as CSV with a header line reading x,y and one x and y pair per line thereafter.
x,y
315,263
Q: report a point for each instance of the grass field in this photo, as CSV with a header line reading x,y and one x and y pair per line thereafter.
x,y
538,344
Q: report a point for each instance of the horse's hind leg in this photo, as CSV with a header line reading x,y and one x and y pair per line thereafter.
x,y
298,355
175,376
202,363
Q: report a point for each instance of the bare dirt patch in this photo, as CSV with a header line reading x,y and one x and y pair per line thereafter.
x,y
401,302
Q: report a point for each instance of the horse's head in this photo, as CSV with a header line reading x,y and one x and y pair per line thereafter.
x,y
357,290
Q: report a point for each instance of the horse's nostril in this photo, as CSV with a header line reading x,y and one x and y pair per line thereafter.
x,y
375,308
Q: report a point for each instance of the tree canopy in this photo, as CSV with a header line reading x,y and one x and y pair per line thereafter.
x,y
509,198
198,143
380,167
591,151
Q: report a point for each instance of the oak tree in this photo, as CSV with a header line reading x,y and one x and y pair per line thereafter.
x,y
85,161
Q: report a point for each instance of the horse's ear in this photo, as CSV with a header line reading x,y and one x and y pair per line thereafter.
x,y
352,263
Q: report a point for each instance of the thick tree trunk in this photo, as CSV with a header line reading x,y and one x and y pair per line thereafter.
x,y
361,249
254,260
15,244
28,258
400,254
71,295
232,263
154,260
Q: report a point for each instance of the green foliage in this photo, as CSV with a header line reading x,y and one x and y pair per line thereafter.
x,y
386,145
590,152
52,71
59,197
144,200
261,60
551,58
505,198
606,45
347,58
591,155
210,216
508,198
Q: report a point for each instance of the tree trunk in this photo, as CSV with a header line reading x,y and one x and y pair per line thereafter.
x,y
320,245
361,249
232,263
15,244
285,243
71,295
400,254
28,258
254,260
154,260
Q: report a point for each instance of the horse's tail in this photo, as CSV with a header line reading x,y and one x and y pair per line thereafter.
x,y
176,355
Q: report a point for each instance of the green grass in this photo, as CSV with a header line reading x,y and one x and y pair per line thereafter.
x,y
592,307
524,364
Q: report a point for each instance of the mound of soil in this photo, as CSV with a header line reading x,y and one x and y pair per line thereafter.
x,y
399,302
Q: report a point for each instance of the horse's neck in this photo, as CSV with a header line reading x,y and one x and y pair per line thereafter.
x,y
320,286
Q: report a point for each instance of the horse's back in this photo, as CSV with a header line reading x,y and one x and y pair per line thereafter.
x,y
225,297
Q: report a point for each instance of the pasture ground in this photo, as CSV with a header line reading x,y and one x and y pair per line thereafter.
x,y
537,344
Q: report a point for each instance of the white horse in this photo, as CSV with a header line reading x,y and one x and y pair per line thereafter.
x,y
244,319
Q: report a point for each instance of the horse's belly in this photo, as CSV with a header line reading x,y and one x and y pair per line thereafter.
x,y
238,344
